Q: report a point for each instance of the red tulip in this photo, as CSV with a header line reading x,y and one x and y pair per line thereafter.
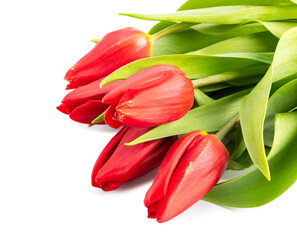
x,y
84,103
192,166
119,163
115,50
153,96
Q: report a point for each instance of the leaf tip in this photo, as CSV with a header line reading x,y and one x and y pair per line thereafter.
x,y
130,143
266,173
102,83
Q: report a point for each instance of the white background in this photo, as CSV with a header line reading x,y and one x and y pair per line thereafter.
x,y
46,159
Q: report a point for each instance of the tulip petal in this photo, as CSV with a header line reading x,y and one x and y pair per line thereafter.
x,y
110,119
153,96
141,80
88,111
115,50
91,91
198,171
125,160
154,159
160,185
64,109
106,153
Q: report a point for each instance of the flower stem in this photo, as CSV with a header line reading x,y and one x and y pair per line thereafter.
x,y
253,71
227,127
217,78
171,29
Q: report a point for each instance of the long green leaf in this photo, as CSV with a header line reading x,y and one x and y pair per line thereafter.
x,y
279,28
252,114
195,66
283,100
224,15
205,35
201,36
254,43
196,4
253,107
252,189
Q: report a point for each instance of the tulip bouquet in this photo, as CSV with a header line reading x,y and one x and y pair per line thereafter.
x,y
212,87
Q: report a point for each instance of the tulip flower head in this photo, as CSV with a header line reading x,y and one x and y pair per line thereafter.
x,y
119,163
156,95
84,104
192,166
115,50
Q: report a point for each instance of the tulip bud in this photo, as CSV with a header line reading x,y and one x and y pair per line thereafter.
x,y
115,50
119,163
192,166
84,104
156,95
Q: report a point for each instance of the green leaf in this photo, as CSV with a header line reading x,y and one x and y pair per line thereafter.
x,y
201,98
214,87
96,40
254,43
239,147
225,15
253,107
283,100
252,189
209,117
242,162
194,4
261,57
279,28
204,35
99,119
252,114
201,36
194,66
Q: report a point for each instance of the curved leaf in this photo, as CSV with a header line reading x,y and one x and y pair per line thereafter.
x,y
194,66
253,107
254,43
201,36
195,4
287,96
252,111
252,189
224,15
206,35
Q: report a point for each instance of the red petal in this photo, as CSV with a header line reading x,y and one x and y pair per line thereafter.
x,y
110,119
91,91
198,171
106,153
115,50
154,96
153,160
126,159
64,109
88,111
159,187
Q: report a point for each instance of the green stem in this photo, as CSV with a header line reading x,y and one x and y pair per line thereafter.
x,y
228,76
217,78
227,127
171,29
